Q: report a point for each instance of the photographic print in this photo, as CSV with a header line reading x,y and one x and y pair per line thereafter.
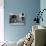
x,y
17,19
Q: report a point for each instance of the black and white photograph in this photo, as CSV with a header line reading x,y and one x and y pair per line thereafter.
x,y
17,19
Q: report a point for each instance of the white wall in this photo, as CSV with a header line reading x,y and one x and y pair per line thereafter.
x,y
1,21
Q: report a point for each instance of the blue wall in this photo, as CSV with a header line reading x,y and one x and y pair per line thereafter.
x,y
29,7
43,6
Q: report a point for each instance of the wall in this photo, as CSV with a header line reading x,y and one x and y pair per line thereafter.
x,y
1,21
43,6
29,7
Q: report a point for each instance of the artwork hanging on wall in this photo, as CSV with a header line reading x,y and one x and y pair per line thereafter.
x,y
17,19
